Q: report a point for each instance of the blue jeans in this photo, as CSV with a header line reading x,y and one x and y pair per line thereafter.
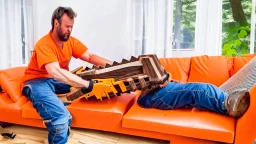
x,y
176,95
57,119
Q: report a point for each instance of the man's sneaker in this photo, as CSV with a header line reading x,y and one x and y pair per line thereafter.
x,y
237,102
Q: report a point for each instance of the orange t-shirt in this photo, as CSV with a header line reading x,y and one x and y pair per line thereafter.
x,y
46,51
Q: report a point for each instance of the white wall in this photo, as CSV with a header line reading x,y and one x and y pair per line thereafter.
x,y
102,25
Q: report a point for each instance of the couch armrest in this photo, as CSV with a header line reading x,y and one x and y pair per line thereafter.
x,y
246,125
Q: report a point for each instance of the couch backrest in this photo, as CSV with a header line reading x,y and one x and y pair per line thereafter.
x,y
10,80
239,62
209,69
178,67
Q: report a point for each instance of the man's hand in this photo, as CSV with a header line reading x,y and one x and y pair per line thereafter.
x,y
55,71
164,84
166,80
89,88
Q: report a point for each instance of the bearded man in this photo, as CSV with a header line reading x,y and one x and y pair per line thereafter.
x,y
48,74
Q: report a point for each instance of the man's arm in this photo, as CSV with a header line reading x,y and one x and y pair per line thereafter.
x,y
94,59
55,71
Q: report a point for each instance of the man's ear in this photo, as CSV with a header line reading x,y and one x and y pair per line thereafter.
x,y
56,23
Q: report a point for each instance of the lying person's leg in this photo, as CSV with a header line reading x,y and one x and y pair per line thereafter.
x,y
245,78
199,95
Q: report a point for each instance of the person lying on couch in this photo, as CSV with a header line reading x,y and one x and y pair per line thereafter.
x,y
204,96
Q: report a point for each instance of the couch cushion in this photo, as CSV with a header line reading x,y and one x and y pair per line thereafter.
x,y
91,112
10,80
209,69
239,62
28,111
185,122
7,103
178,67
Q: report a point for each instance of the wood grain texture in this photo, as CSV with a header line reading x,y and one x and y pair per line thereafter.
x,y
32,135
117,72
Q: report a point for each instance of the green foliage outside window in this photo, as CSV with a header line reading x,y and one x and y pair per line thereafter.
x,y
236,27
236,21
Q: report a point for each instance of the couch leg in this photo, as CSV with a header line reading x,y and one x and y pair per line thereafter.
x,y
3,124
6,133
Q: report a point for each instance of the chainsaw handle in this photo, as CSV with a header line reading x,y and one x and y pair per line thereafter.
x,y
89,89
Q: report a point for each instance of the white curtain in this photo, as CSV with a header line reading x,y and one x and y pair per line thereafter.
x,y
208,27
10,33
11,53
253,31
29,30
151,27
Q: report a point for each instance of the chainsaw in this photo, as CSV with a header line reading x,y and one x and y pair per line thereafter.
x,y
143,73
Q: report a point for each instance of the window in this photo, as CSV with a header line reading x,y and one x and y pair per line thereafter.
x,y
27,30
184,18
192,27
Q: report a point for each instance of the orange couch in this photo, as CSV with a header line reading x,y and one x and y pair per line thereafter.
x,y
122,114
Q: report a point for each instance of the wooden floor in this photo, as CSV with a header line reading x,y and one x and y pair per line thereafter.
x,y
31,135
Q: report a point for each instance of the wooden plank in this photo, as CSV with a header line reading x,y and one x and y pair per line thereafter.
x,y
157,63
132,84
74,94
151,70
117,72
142,81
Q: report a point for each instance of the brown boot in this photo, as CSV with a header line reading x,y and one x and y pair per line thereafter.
x,y
237,102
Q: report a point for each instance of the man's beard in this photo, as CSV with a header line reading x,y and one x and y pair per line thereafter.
x,y
62,36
